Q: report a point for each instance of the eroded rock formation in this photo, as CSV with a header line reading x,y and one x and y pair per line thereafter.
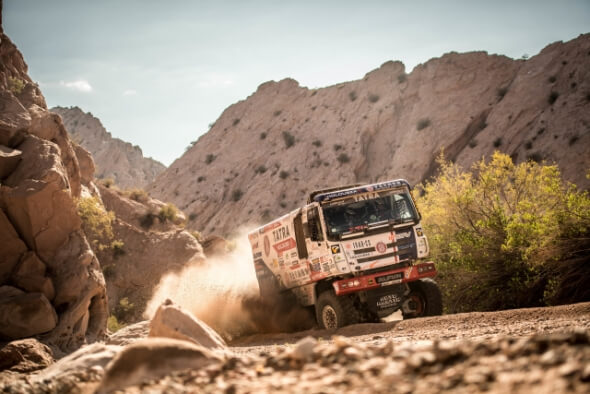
x,y
265,154
116,159
51,283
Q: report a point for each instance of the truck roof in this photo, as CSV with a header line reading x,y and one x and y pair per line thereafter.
x,y
334,193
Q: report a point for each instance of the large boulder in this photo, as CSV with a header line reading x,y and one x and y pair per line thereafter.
x,y
9,159
14,120
153,358
12,248
38,200
24,314
25,355
172,321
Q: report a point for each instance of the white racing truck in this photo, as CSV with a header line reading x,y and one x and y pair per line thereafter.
x,y
354,253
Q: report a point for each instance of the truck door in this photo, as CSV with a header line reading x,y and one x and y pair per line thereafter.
x,y
320,257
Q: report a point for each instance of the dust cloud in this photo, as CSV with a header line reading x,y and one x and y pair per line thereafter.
x,y
223,292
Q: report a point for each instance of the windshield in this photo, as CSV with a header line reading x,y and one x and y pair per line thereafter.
x,y
349,216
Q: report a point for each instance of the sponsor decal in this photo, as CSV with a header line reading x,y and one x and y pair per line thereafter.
x,y
368,196
294,255
335,249
361,244
284,245
266,246
257,255
253,237
338,258
280,233
381,247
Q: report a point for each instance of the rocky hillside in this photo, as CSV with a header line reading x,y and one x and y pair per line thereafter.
x,y
264,154
114,158
51,284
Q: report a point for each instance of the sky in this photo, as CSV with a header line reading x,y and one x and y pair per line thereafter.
x,y
158,73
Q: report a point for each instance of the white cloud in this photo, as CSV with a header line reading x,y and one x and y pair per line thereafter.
x,y
130,92
79,85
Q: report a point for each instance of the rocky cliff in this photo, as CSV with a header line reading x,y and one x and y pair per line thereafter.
x,y
114,158
51,285
266,153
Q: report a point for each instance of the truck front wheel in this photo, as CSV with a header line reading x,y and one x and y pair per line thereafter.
x,y
335,312
425,299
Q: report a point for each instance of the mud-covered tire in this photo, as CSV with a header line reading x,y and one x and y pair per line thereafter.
x,y
428,298
334,312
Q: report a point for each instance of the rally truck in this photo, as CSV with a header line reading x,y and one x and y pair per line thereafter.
x,y
353,254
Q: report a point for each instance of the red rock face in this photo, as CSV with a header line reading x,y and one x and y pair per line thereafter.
x,y
266,153
51,280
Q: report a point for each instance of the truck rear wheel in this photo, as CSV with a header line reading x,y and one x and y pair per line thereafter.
x,y
335,312
425,299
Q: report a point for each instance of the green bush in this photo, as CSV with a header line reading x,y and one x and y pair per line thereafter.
x,y
237,195
507,235
138,195
343,158
113,324
283,174
16,85
317,143
422,124
117,246
352,95
97,221
168,213
289,139
261,169
209,158
373,98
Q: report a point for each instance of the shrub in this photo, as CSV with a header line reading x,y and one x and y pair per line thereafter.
x,y
96,220
147,220
337,147
289,139
553,97
16,85
422,124
498,142
108,182
343,158
209,158
317,143
283,174
138,195
198,236
192,216
117,246
237,195
277,112
124,309
168,213
201,178
352,95
261,169
235,122
373,98
502,232
403,77
262,135
113,324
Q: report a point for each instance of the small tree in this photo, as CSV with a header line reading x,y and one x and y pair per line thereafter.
x,y
500,232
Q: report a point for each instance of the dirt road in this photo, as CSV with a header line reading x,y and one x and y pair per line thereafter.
x,y
464,326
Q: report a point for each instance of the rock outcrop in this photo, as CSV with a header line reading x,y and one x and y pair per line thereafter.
x,y
50,279
147,242
116,159
265,154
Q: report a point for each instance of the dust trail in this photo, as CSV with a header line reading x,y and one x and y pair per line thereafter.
x,y
223,292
